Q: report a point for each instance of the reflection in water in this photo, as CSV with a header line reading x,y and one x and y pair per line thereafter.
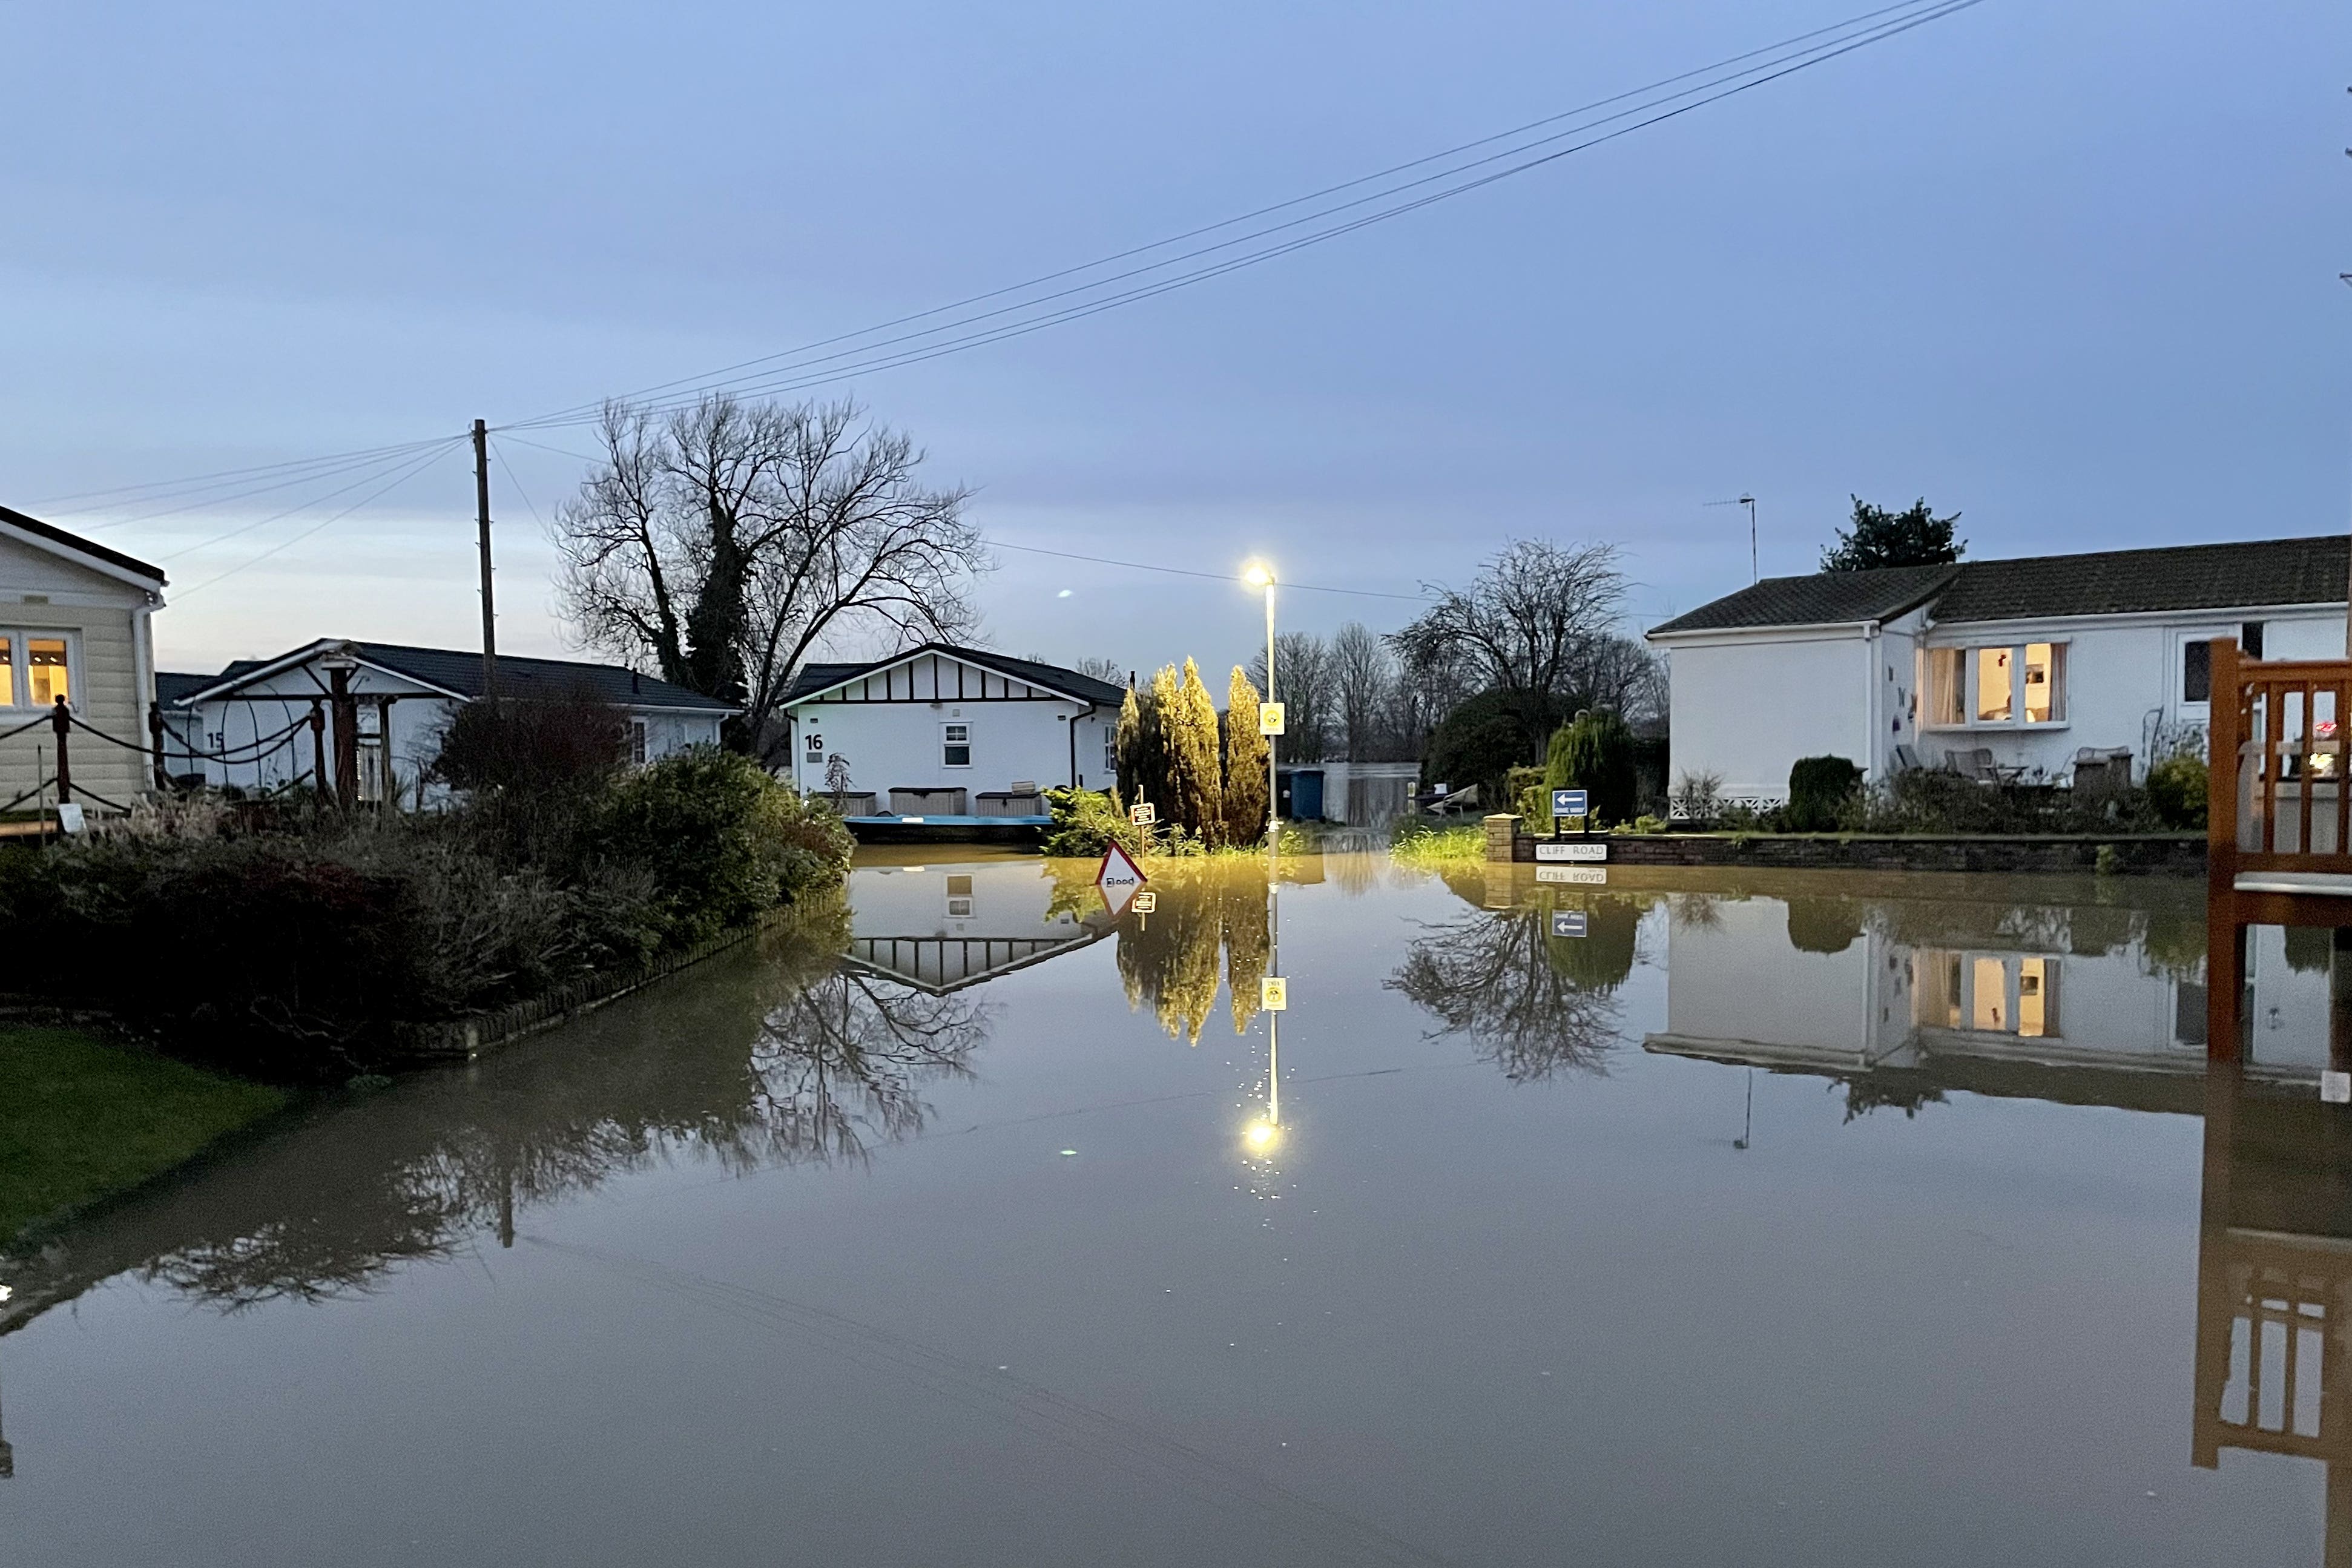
x,y
773,1055
1534,997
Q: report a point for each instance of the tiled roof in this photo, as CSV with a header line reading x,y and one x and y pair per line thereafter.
x,y
1825,598
2177,577
814,678
455,670
2253,574
75,542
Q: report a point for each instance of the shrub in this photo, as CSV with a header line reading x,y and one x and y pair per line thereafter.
x,y
1477,743
723,840
2176,788
1087,822
1819,788
1595,754
566,743
1698,796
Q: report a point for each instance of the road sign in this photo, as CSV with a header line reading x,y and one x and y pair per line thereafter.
x,y
1568,922
1143,814
1117,879
1574,849
1145,902
1269,718
1273,994
1586,875
1568,803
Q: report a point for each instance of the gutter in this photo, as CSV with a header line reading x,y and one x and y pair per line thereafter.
x,y
1089,713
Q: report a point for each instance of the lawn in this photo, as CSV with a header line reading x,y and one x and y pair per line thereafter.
x,y
80,1119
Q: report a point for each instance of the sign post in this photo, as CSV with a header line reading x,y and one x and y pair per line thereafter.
x,y
1117,879
1567,803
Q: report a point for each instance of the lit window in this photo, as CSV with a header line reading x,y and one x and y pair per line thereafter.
x,y
955,745
45,669
8,673
1993,694
2045,685
1946,674
2037,997
1991,984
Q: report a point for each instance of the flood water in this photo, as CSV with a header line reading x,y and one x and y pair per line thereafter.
x,y
1816,1218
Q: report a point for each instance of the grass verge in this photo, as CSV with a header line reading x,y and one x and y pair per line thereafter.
x,y
1439,846
81,1120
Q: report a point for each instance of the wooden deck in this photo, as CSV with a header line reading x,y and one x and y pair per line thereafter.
x,y
2278,826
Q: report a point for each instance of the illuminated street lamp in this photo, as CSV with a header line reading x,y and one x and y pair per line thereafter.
x,y
1258,575
1262,1136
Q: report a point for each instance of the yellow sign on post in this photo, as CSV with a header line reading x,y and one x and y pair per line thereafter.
x,y
1273,994
1269,718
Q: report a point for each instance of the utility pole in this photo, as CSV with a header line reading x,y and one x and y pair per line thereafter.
x,y
482,522
1755,566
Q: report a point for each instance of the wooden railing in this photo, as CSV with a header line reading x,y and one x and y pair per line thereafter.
x,y
2276,797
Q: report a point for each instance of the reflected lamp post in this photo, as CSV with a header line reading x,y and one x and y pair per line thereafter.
x,y
1264,1135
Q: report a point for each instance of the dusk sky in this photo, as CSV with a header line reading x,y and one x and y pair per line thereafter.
x,y
2069,268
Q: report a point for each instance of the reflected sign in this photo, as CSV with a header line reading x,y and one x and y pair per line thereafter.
x,y
1568,922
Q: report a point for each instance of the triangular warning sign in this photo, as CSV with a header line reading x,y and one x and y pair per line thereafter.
x,y
1117,879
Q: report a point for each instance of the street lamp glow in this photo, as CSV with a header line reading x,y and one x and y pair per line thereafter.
x,y
1262,1136
1257,574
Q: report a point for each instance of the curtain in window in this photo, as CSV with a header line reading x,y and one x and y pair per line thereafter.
x,y
1944,686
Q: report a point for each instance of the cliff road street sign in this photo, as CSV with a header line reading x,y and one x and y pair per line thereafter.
x,y
1573,849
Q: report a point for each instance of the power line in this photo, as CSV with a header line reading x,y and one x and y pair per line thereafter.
x,y
413,470
221,480
374,471
786,378
575,412
1187,571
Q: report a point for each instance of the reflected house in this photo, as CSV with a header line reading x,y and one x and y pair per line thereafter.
x,y
940,928
1917,985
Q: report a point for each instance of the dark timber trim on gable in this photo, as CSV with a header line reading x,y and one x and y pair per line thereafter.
x,y
926,681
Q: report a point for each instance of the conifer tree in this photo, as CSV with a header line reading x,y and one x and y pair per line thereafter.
x,y
1244,763
1143,745
1195,771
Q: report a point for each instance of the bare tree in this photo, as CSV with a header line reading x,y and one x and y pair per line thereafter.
x,y
1302,686
727,541
1109,671
1362,671
1525,623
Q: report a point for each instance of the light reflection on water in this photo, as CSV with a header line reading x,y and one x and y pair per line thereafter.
x,y
1797,1218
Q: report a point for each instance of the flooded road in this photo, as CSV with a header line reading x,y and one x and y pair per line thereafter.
x,y
1682,1220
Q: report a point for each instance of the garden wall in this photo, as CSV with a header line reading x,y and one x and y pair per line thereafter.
x,y
2168,853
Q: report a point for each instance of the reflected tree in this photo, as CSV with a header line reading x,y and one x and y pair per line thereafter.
x,y
841,1064
1535,1003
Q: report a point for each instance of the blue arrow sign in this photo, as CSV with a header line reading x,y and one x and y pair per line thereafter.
x,y
1568,922
1568,803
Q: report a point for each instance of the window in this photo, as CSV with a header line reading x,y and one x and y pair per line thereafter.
x,y
2045,664
1110,750
35,667
1972,688
1993,696
959,897
2197,672
2249,640
636,743
1991,994
1946,677
955,745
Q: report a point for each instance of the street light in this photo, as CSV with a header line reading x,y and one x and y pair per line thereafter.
x,y
1262,1136
1258,575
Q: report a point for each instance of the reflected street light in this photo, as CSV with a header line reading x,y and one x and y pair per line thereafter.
x,y
1262,1136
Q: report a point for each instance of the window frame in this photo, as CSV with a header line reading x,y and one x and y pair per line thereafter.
x,y
19,640
640,743
2183,640
947,743
1968,655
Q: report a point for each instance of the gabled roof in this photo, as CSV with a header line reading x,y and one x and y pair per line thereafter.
x,y
814,678
2258,574
457,673
1825,598
2255,574
112,562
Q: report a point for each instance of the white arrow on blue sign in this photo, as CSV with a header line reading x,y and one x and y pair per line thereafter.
x,y
1568,922
1568,803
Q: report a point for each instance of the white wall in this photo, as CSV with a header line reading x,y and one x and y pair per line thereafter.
x,y
1734,976
1747,709
417,720
110,671
898,745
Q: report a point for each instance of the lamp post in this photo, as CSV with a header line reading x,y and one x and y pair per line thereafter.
x,y
1258,575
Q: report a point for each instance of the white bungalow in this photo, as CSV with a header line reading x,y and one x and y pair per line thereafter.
x,y
255,712
2014,669
77,623
944,731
